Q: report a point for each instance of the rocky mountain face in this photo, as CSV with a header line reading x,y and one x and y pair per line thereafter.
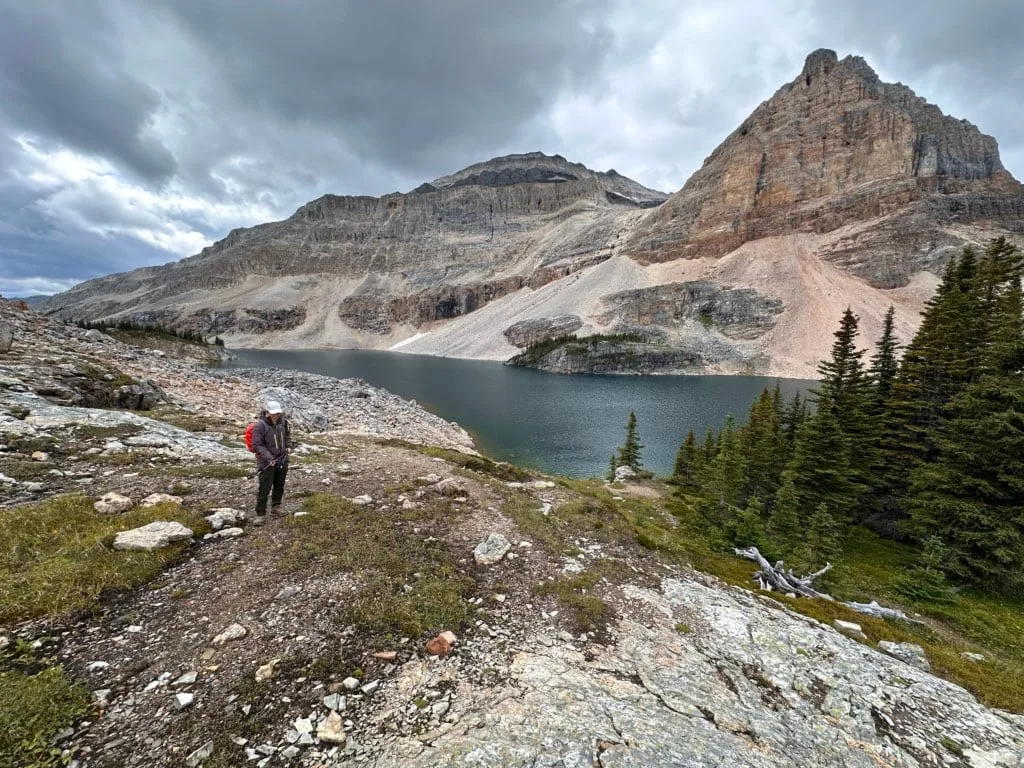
x,y
838,190
838,147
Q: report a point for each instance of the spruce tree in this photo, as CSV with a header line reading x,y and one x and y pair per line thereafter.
x,y
725,479
687,466
629,454
972,495
763,447
748,529
785,532
823,540
846,390
884,364
821,464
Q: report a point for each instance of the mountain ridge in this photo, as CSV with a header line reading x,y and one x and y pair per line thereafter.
x,y
837,175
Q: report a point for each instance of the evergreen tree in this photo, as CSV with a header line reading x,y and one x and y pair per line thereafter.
x,y
821,464
629,454
846,390
795,415
612,465
822,543
687,466
972,495
784,528
748,528
726,478
884,364
763,447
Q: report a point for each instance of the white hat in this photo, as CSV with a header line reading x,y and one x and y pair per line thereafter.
x,y
274,407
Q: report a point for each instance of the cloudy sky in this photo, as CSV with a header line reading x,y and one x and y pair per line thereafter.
x,y
135,133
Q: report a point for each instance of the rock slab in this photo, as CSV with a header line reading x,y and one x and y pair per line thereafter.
x,y
151,537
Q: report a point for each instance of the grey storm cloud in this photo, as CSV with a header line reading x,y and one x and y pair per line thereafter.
x,y
134,133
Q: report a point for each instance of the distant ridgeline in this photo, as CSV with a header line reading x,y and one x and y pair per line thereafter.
x,y
926,448
128,326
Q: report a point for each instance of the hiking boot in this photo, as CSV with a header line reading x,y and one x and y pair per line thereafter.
x,y
277,511
260,520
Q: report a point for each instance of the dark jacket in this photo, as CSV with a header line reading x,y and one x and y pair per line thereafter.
x,y
270,442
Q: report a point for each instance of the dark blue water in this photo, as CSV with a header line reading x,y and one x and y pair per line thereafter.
x,y
568,425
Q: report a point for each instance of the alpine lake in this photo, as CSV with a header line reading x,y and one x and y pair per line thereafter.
x,y
567,425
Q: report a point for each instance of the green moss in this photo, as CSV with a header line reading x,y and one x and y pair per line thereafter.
x,y
683,629
55,557
587,612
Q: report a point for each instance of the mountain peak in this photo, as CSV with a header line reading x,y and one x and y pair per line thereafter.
x,y
821,61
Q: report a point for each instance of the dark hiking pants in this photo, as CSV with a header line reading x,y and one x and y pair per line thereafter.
x,y
271,486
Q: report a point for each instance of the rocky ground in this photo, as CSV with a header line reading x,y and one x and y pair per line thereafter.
x,y
317,639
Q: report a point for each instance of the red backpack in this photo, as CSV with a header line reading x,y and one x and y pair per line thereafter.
x,y
248,437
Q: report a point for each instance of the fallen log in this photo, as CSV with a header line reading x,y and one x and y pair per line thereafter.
x,y
777,578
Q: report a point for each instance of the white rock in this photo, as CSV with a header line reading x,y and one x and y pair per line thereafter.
x,y
226,533
197,758
331,729
113,504
303,725
350,683
233,632
151,537
363,500
492,549
266,672
186,679
161,498
96,666
183,700
850,629
40,456
371,687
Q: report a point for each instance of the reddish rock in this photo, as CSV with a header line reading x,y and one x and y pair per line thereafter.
x,y
386,655
439,646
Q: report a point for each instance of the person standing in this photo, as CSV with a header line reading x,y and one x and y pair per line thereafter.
x,y
271,442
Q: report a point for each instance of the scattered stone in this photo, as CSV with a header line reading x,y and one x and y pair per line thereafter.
x,y
449,637
977,658
102,697
430,479
450,487
909,653
35,487
266,672
331,729
350,683
303,725
362,501
440,708
370,687
226,533
224,516
491,550
542,485
188,678
386,655
438,646
850,629
161,498
290,753
93,666
113,504
40,456
151,537
183,700
195,759
288,592
335,702
233,632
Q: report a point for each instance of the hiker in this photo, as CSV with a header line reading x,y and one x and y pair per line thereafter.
x,y
271,441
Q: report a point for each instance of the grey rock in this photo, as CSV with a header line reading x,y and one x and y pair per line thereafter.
x,y
624,473
161,498
350,683
183,700
334,702
909,653
6,337
95,336
288,592
189,678
153,536
977,658
850,628
527,332
491,550
199,756
331,729
226,533
233,632
224,516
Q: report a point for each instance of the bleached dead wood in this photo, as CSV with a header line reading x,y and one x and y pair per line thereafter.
x,y
777,578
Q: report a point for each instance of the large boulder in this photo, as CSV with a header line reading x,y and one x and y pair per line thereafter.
x,y
140,396
151,537
492,549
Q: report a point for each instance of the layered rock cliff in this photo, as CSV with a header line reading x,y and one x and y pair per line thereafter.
x,y
838,147
839,190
